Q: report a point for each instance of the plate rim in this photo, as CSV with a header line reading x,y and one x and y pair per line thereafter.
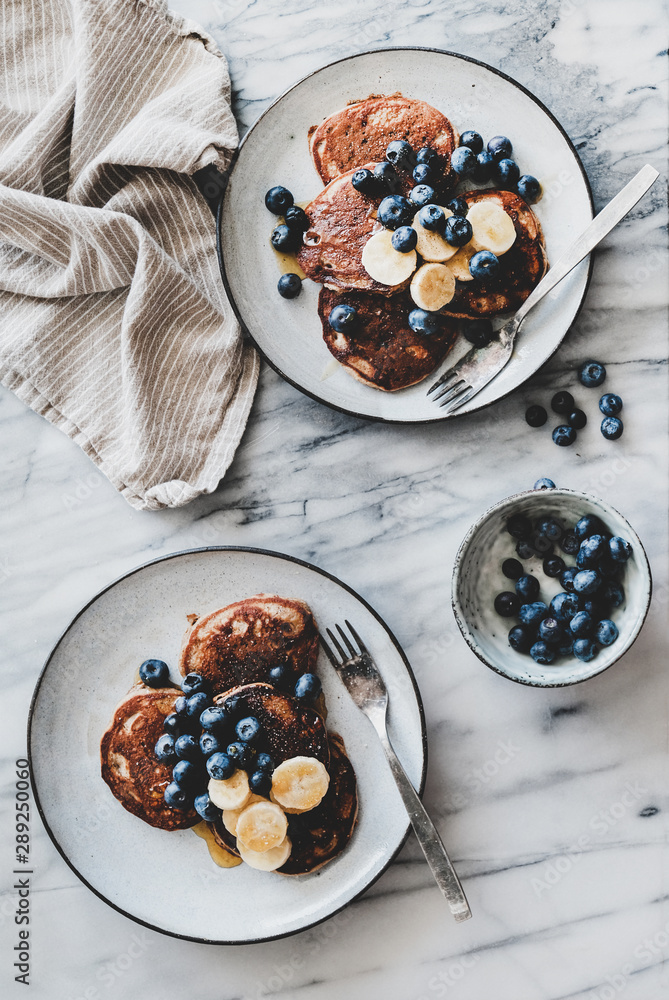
x,y
255,550
439,417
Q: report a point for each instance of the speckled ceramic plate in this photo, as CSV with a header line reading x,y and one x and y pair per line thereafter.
x,y
167,880
275,151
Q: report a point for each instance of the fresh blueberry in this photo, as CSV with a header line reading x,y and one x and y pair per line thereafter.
x,y
584,649
507,173
196,705
181,704
220,766
284,239
214,719
591,551
234,704
458,206
421,194
248,729
289,286
500,147
343,318
478,332
264,762
536,416
241,754
551,528
164,749
542,653
577,419
187,747
582,624
484,167
427,155
365,182
562,402
619,549
594,606
473,140
278,199
569,543
592,374
512,569
532,614
483,264
210,744
400,153
463,161
193,683
187,774
395,211
564,606
606,632
308,687
425,173
609,568
206,809
527,587
524,549
520,638
175,724
529,188
154,673
613,594
296,218
553,566
519,526
544,484
432,218
457,231
279,674
425,322
542,545
404,239
551,632
176,797
565,647
260,783
563,435
507,604
610,404
587,581
588,525
387,179
612,428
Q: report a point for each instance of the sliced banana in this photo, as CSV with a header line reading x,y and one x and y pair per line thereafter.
x,y
262,826
266,861
459,264
230,816
432,286
299,784
384,263
230,793
492,228
431,246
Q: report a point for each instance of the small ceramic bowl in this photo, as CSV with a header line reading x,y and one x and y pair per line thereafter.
x,y
478,578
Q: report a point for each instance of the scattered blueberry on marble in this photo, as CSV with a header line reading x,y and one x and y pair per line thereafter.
x,y
536,415
404,239
610,404
529,188
562,402
463,161
592,374
472,140
478,332
564,435
612,428
278,199
422,194
544,483
289,286
154,673
577,419
343,318
483,264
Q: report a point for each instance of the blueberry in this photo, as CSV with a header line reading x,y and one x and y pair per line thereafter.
x,y
457,231
544,484
365,182
553,566
612,428
500,147
193,683
610,404
260,782
606,632
519,526
284,239
484,167
532,614
425,173
432,218
591,551
206,809
289,286
264,762
564,435
524,550
176,797
458,206
387,178
569,543
424,322
529,188
175,724
592,374
512,569
463,161
619,549
613,594
542,653
609,568
564,606
248,729
240,753
473,140
588,525
565,647
188,748
395,211
536,415
279,674
551,632
507,173
214,719
196,705
584,649
507,604
582,624
164,749
187,775
220,766
400,153
308,687
343,318
527,587
550,528
181,704
234,704
278,200
562,402
404,239
587,581
577,419
427,155
478,332
542,545
210,744
520,638
297,219
154,673
421,194
483,264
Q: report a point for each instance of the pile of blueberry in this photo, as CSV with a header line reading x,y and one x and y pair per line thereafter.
x,y
471,161
577,621
287,237
591,375
203,740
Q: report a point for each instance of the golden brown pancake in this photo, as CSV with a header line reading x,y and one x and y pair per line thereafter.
x,y
383,351
128,761
361,132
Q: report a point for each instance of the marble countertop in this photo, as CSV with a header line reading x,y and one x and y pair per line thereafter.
x,y
553,803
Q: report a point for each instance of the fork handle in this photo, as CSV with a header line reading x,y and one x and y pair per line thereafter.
x,y
428,838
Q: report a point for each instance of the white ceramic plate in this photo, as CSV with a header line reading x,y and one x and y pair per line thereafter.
x,y
275,151
167,880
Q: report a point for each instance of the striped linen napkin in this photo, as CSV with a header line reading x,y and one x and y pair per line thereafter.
x,y
113,321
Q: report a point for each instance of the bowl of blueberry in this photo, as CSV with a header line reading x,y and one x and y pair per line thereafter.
x,y
551,586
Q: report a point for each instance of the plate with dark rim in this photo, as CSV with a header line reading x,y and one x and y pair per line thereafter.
x,y
167,880
275,150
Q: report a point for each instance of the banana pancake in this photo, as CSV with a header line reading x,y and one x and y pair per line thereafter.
x,y
360,132
383,351
128,761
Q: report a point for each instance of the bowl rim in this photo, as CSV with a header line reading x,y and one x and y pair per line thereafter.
x,y
640,554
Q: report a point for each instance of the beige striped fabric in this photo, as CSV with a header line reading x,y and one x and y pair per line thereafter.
x,y
113,321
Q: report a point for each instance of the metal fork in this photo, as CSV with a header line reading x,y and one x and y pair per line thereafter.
x,y
480,365
365,685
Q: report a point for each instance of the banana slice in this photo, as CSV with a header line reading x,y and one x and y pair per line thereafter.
x,y
431,246
262,826
266,861
459,264
384,263
230,793
230,816
299,784
432,286
492,228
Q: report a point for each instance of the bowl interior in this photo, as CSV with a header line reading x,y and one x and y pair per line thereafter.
x,y
478,578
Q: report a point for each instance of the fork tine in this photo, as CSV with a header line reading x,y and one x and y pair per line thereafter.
x,y
447,384
328,652
335,643
453,393
447,376
351,648
454,404
357,638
